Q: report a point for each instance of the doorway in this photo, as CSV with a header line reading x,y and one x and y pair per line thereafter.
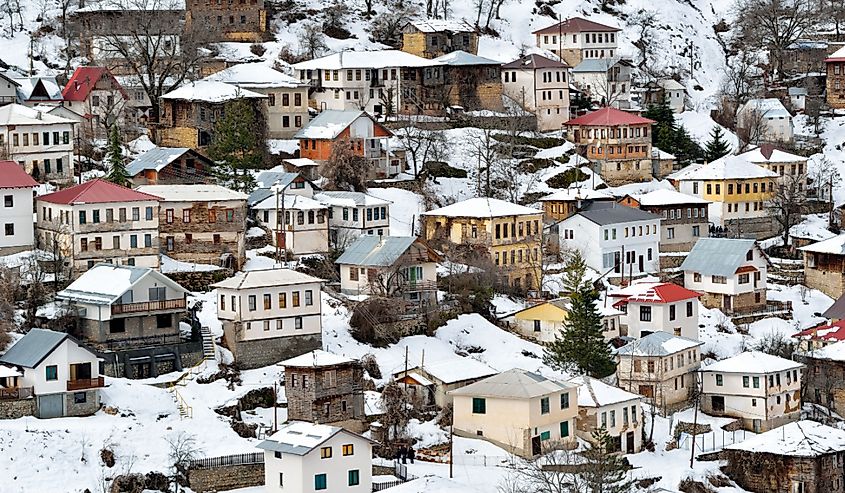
x,y
717,402
629,443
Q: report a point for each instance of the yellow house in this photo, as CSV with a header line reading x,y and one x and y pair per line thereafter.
x,y
510,233
544,321
737,188
520,411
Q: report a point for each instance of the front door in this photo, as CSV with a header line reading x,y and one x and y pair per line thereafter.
x,y
718,403
629,442
726,301
641,263
535,446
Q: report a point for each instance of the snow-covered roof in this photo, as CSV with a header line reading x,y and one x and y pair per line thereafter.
x,y
27,86
671,85
513,384
597,65
105,283
291,201
836,56
349,199
192,193
376,251
440,25
575,194
155,159
265,278
718,256
797,439
453,369
657,344
833,352
654,292
316,358
667,197
16,114
210,92
330,123
482,207
835,246
614,214
120,5
834,332
657,153
9,371
300,438
768,107
253,76
595,393
724,168
768,153
752,362
462,58
30,350
364,59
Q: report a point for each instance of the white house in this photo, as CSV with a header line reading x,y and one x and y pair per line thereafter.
x,y
787,165
614,237
765,120
269,315
306,224
40,142
604,406
606,81
16,189
577,39
431,379
762,390
352,214
55,371
731,274
539,85
649,306
8,87
304,458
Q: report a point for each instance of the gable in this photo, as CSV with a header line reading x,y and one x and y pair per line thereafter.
x,y
543,311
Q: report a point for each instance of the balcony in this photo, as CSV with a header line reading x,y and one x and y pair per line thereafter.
x,y
15,393
84,384
147,306
420,286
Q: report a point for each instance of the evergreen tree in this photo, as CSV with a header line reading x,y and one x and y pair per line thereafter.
x,y
239,144
663,131
717,146
607,471
574,273
580,346
114,155
685,148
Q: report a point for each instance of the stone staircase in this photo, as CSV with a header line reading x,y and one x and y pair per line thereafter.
x,y
209,351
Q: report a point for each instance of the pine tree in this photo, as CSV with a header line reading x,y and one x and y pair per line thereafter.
x,y
606,471
574,273
114,155
663,131
239,144
717,146
685,148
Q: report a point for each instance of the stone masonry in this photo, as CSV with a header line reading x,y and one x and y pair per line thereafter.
x,y
87,408
269,351
16,408
325,394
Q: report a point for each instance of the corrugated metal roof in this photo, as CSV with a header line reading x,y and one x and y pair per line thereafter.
x,y
30,350
513,384
837,310
156,158
604,214
717,256
329,124
657,344
376,251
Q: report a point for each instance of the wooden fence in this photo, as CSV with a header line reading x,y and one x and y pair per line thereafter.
x,y
227,460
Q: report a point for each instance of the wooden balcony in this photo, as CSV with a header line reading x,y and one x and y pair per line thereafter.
x,y
147,306
412,286
15,393
84,384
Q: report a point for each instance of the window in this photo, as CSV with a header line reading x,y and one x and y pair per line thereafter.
x,y
746,381
309,298
354,477
51,373
148,240
79,398
645,314
564,429
755,382
479,405
168,214
348,449
283,300
564,400
267,301
671,312
319,481
719,380
546,435
82,217
186,215
8,201
171,243
9,229
297,323
719,279
164,321
325,452
689,308
544,405
251,301
744,278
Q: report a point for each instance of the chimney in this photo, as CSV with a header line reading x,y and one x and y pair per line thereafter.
x,y
38,115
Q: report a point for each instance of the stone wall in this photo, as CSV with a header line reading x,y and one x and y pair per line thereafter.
x,y
344,401
829,282
125,364
824,382
87,408
16,408
226,478
263,352
758,228
199,281
771,473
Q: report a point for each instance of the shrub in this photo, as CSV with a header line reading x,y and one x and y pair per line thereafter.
x,y
567,178
441,169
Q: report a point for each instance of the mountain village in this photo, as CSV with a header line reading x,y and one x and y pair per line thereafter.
x,y
299,246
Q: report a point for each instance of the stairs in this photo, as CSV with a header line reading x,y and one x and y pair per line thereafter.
x,y
209,353
208,346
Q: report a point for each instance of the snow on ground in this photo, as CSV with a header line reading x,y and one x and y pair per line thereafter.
x,y
169,264
699,125
405,209
255,261
813,227
255,232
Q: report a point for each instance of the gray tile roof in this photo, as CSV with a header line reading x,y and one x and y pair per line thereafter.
x,y
717,256
376,251
657,344
31,350
156,158
514,384
597,64
837,310
612,213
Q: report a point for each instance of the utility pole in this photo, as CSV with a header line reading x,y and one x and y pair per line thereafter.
x,y
275,407
694,424
451,449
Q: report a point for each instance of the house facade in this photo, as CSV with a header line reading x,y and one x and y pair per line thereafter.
x,y
543,322
203,224
683,218
835,80
539,85
244,21
577,39
823,375
824,264
170,166
605,81
649,307
430,382
269,315
564,203
94,93
730,273
306,223
39,142
520,411
457,81
604,406
669,90
791,168
99,221
49,374
16,190
354,214
765,121
431,38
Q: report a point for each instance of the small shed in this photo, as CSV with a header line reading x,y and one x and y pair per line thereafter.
x,y
433,380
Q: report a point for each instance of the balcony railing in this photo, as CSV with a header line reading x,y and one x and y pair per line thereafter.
x,y
147,306
421,286
15,393
84,383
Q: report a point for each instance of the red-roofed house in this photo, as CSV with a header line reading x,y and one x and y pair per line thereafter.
x,y
16,190
820,336
99,221
94,93
617,139
835,82
539,85
658,306
577,39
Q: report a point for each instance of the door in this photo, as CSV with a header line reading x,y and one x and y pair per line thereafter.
x,y
641,263
756,424
726,302
535,446
718,403
629,442
51,406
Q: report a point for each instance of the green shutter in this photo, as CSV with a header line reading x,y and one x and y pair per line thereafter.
x,y
354,477
320,482
546,435
479,405
564,429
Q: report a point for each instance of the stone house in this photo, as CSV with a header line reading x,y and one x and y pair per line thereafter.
x,y
170,166
203,224
605,81
539,85
49,374
670,90
730,274
402,267
799,457
243,21
824,376
322,387
660,367
431,381
99,221
620,141
354,214
788,166
431,38
806,56
95,93
649,306
286,106
761,390
455,81
604,406
520,411
820,336
269,315
562,204
765,121
577,39
835,80
684,218
510,233
543,322
188,114
316,457
131,316
824,266
16,190
40,142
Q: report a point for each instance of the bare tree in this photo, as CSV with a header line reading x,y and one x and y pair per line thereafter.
x,y
822,175
397,410
13,9
644,22
312,43
387,27
346,170
788,203
9,285
421,145
183,448
751,127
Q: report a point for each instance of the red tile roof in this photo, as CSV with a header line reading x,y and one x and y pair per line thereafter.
x,y
576,25
84,79
534,61
832,332
607,117
659,293
97,191
12,175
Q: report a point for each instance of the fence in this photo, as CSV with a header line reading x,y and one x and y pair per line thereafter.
x,y
711,441
468,459
227,460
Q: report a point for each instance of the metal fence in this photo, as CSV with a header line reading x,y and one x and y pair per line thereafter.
x,y
227,460
712,440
